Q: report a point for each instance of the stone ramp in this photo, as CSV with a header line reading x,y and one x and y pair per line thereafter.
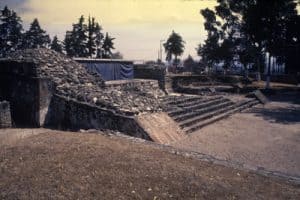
x,y
160,127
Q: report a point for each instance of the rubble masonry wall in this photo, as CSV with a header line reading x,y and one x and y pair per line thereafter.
x,y
5,116
146,72
69,114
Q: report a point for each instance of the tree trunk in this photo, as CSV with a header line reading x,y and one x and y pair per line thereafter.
x,y
176,64
246,71
258,77
268,73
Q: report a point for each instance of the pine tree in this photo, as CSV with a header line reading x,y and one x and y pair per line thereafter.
x,y
98,40
68,43
36,37
91,37
56,45
117,55
10,31
95,38
108,45
76,40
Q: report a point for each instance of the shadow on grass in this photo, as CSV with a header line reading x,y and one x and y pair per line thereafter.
x,y
288,115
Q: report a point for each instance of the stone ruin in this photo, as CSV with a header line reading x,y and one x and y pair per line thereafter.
x,y
46,88
71,79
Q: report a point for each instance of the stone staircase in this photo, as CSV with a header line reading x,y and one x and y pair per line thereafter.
x,y
194,112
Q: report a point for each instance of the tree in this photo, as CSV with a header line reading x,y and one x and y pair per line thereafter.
x,y
273,17
56,45
36,37
209,51
189,64
237,35
292,52
174,46
108,45
10,31
85,40
95,38
76,40
91,37
98,40
117,55
69,44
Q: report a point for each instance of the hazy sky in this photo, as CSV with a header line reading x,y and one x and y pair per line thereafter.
x,y
137,25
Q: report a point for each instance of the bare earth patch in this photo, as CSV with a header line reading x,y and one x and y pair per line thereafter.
x,y
265,136
65,165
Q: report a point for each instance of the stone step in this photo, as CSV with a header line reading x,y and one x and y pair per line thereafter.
x,y
198,109
173,97
188,104
212,113
179,100
180,107
201,114
240,107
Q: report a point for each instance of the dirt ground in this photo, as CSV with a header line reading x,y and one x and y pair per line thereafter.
x,y
65,165
265,136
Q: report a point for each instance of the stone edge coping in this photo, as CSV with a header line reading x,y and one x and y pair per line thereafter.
x,y
28,60
111,111
121,82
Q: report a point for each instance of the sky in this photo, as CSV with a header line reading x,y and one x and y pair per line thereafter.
x,y
137,25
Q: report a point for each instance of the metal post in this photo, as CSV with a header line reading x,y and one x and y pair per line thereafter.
x,y
160,47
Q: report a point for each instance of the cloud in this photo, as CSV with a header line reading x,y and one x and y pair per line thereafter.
x,y
116,11
127,20
11,3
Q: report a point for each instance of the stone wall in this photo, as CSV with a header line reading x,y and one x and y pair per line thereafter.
x,y
49,89
46,90
17,87
181,83
69,114
5,116
151,72
72,80
150,87
29,96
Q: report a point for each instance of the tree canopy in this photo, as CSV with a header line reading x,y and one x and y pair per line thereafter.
x,y
87,40
56,45
84,40
76,40
244,30
174,46
10,31
36,37
108,46
95,38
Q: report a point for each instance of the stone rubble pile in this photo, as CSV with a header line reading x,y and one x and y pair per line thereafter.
x,y
72,80
58,67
